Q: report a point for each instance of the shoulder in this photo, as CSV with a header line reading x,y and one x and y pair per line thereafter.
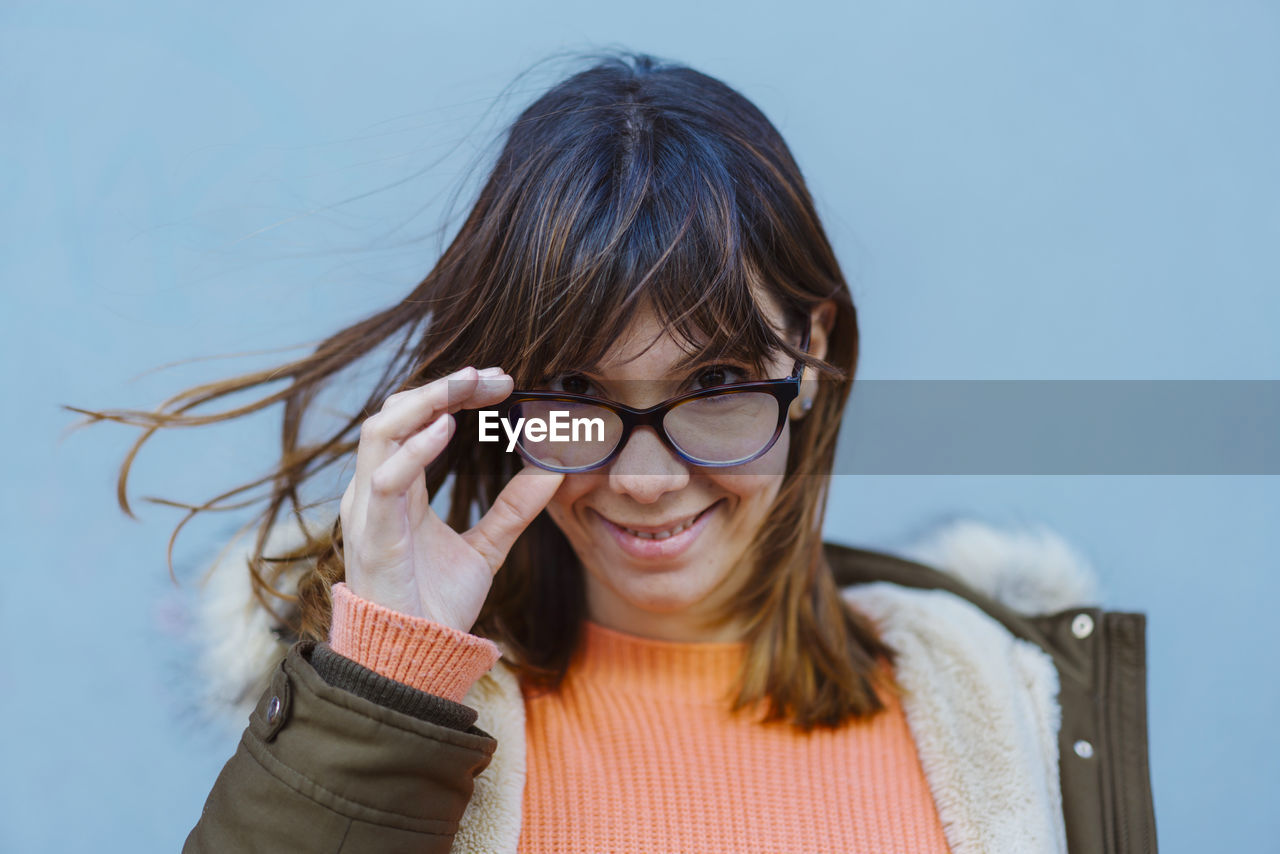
x,y
1029,570
969,593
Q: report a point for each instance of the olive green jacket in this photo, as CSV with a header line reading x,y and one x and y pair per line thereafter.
x,y
1028,712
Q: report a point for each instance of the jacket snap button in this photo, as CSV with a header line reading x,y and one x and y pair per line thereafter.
x,y
1083,749
1082,625
273,710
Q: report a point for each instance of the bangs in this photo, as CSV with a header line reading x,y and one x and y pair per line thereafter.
x,y
593,240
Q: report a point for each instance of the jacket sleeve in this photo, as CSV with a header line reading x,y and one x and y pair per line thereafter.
x,y
340,758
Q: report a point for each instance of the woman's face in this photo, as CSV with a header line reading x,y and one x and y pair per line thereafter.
x,y
663,588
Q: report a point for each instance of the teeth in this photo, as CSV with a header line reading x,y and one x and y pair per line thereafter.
x,y
660,535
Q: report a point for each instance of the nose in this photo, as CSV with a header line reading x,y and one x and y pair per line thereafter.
x,y
646,469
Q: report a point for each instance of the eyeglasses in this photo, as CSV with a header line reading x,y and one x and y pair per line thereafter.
x,y
725,425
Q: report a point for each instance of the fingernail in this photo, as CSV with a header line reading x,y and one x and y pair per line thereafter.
x,y
492,372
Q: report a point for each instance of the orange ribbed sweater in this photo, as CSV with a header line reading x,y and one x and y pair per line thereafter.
x,y
637,752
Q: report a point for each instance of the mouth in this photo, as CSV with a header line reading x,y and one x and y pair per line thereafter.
x,y
666,540
661,532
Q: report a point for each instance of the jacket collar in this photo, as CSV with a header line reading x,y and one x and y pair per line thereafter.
x,y
953,603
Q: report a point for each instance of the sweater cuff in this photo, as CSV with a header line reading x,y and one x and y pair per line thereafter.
x,y
357,679
426,655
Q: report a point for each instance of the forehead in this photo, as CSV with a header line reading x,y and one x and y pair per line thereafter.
x,y
647,344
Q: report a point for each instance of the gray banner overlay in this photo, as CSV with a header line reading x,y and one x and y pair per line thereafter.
x,y
1038,427
1059,427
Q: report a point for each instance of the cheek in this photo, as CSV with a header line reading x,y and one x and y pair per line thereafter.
x,y
572,488
757,482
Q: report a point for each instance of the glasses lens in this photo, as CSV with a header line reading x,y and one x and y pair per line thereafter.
x,y
564,435
724,428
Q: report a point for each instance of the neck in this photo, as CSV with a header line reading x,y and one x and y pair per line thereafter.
x,y
673,632
676,627
695,623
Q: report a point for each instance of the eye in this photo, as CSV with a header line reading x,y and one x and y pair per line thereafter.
x,y
714,375
571,384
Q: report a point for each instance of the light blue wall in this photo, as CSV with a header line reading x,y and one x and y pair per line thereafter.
x,y
1018,190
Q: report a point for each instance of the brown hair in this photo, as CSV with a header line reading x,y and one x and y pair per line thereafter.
x,y
632,182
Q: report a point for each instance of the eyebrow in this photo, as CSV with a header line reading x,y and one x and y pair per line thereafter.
x,y
684,364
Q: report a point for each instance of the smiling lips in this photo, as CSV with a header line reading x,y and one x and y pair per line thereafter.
x,y
659,541
661,534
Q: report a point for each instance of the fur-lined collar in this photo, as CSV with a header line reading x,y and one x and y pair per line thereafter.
x,y
981,704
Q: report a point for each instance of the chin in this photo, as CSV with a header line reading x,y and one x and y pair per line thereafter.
x,y
663,590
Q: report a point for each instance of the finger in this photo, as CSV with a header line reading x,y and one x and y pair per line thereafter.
x,y
382,434
516,506
392,480
404,413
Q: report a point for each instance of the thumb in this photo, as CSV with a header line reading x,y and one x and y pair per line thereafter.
x,y
522,499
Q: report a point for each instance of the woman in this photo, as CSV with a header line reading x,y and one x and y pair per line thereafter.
x,y
684,664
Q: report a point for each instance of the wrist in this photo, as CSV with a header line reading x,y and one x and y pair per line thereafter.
x,y
428,655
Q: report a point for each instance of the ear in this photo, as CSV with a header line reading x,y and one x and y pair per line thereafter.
x,y
821,320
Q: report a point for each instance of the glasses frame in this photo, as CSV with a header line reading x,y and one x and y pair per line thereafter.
x,y
784,391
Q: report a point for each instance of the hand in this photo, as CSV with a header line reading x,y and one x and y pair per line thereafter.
x,y
398,552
